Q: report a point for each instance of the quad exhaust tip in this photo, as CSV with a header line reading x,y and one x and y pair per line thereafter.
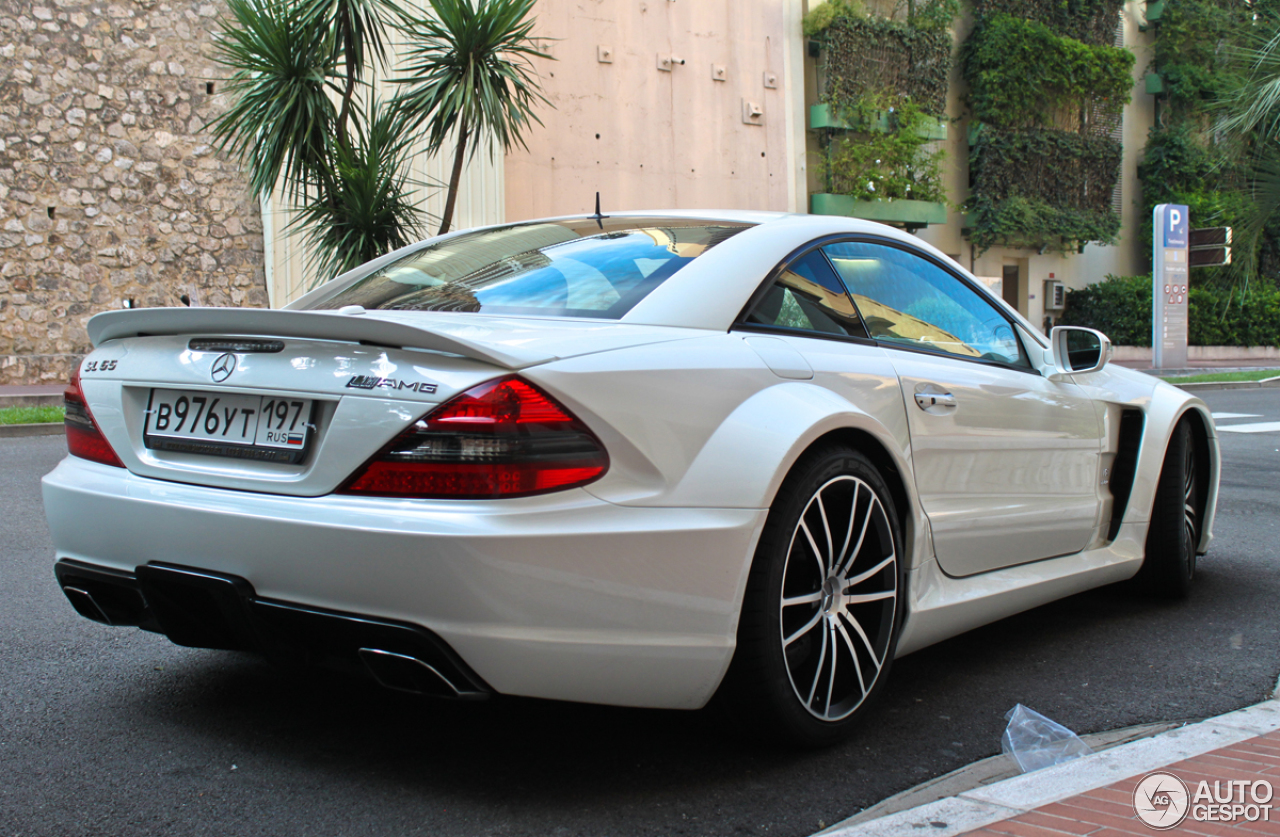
x,y
406,673
84,603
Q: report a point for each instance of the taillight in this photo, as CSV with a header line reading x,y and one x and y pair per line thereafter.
x,y
503,438
84,439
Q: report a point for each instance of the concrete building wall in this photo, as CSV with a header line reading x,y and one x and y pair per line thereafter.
x,y
653,108
109,191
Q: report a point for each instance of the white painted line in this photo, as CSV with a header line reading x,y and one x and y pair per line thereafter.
x,y
1255,427
1220,416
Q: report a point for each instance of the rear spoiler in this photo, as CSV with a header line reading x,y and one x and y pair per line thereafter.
x,y
317,325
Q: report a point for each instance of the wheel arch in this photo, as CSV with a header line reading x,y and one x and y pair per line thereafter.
x,y
875,450
1205,439
1168,407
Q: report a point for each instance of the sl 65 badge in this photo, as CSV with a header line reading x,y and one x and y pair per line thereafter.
x,y
371,382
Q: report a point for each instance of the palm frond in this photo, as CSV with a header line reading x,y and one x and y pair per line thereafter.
x,y
1254,103
280,118
368,210
467,63
359,27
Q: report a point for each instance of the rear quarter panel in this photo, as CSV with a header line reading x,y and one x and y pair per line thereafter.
x,y
706,424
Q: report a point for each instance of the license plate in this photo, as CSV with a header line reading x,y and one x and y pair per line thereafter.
x,y
272,428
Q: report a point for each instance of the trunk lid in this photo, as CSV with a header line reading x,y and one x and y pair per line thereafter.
x,y
506,342
360,380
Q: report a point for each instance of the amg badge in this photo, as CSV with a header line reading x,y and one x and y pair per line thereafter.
x,y
371,382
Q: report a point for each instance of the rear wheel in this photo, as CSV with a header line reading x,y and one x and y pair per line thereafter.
x,y
820,619
1169,564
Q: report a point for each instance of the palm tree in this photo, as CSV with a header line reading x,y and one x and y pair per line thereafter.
x,y
365,210
302,116
468,75
1250,120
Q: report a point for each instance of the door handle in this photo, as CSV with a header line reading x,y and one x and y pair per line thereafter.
x,y
929,400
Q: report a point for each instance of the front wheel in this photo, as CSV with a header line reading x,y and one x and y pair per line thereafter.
x,y
1169,563
820,618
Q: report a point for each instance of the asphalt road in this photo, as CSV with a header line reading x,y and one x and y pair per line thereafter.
x,y
117,732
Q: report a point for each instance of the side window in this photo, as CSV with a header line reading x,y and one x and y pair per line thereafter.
x,y
904,298
808,295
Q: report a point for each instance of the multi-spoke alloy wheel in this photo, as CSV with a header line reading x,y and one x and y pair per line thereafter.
x,y
822,608
1190,503
839,597
1169,563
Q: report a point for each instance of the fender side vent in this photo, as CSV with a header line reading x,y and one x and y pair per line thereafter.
x,y
1125,466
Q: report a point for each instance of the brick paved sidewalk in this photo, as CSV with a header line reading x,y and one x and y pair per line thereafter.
x,y
1108,811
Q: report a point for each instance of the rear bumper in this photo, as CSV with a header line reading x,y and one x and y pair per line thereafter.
x,y
209,610
562,596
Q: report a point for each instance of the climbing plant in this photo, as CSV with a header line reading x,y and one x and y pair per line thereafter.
x,y
870,56
898,164
1088,21
1022,74
1039,180
1199,58
1194,53
886,80
1046,92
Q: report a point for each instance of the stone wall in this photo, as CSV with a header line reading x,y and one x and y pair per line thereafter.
x,y
110,195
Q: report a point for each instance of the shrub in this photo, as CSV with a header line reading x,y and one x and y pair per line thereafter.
x,y
1120,307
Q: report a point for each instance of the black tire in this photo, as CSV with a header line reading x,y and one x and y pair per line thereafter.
x,y
1169,562
810,593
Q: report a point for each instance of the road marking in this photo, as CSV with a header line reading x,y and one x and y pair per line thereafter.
x,y
1217,416
1255,427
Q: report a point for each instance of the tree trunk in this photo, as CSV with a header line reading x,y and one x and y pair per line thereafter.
x,y
447,218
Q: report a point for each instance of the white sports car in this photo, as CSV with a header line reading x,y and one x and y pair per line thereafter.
x,y
641,459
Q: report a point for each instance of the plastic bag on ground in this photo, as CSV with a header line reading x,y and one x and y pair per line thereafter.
x,y
1033,741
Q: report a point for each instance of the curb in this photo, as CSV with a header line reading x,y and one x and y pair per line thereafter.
x,y
1265,383
30,400
988,771
12,431
984,805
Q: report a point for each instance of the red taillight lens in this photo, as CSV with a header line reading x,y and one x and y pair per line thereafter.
x,y
84,439
504,438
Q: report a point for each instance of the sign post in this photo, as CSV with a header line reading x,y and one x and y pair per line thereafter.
x,y
1169,286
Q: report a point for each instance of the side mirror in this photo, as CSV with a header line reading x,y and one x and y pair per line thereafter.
x,y
1078,351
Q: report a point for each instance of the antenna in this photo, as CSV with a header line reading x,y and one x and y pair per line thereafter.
x,y
598,217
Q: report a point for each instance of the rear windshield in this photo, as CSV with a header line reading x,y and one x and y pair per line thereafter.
x,y
575,268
